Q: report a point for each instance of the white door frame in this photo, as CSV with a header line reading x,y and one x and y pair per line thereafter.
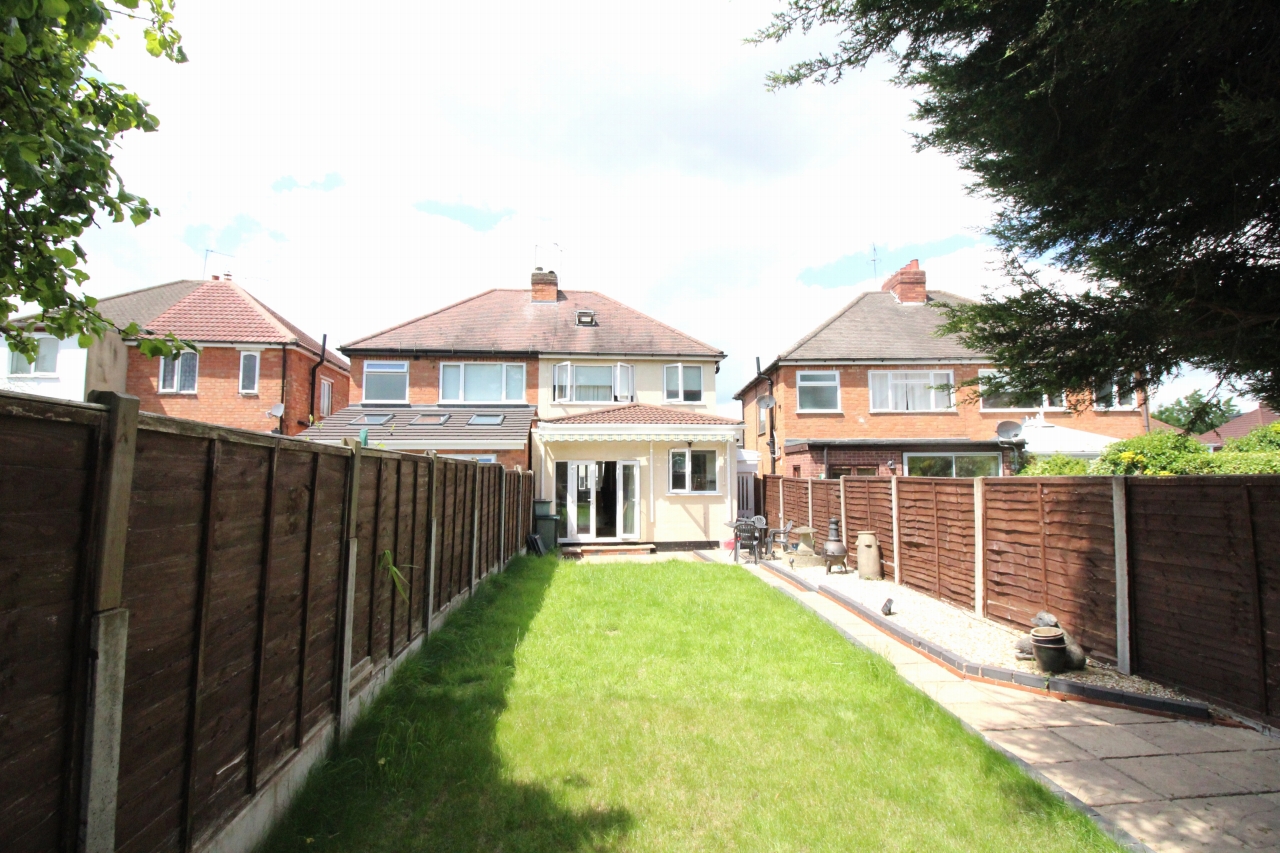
x,y
571,499
623,466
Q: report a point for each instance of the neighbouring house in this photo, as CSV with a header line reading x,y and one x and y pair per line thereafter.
x,y
874,391
1239,426
250,360
617,409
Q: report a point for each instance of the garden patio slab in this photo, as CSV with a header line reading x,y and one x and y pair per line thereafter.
x,y
1168,825
1098,783
1039,746
1253,819
1109,741
1182,738
1174,777
1242,768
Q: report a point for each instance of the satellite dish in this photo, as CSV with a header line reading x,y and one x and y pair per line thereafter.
x,y
1009,430
766,401
276,411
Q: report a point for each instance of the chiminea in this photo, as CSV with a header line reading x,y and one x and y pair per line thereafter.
x,y
833,550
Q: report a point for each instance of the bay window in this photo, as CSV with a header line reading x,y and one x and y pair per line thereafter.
x,y
386,382
682,383
693,472
817,391
481,382
911,390
593,383
178,373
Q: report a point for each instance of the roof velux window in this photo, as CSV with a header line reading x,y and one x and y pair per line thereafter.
x,y
587,318
486,420
430,420
371,420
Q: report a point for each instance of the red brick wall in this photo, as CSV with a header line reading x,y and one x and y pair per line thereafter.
x,y
811,465
218,399
424,376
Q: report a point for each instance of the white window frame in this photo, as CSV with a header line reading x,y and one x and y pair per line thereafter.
x,y
907,457
326,398
462,383
31,372
177,373
1045,405
1098,406
568,369
364,385
257,372
679,399
836,373
688,452
888,374
762,418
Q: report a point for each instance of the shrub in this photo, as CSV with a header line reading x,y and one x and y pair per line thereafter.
x,y
1057,465
1153,453
1261,440
1267,462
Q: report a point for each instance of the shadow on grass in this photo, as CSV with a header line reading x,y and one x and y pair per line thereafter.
x,y
421,770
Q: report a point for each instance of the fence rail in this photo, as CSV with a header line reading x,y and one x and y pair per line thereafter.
x,y
188,611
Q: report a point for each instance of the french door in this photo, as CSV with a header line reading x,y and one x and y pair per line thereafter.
x,y
602,500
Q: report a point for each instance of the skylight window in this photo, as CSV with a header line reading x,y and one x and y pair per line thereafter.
x,y
371,420
587,318
486,420
430,420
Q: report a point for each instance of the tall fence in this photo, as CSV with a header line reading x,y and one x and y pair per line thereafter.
x,y
191,613
1175,578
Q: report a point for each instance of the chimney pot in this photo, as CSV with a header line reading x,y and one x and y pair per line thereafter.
x,y
908,284
217,277
545,285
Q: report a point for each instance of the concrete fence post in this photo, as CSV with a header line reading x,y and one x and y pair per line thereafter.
x,y
345,717
897,542
109,623
979,547
1120,521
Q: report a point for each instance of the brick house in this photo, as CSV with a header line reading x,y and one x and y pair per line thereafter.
x,y
250,359
1239,427
873,391
617,409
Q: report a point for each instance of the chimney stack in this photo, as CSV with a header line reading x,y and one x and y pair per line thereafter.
x,y
907,284
546,287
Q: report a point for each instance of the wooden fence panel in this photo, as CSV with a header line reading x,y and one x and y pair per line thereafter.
x,y
1050,545
322,654
868,505
936,534
1197,615
772,499
421,545
401,602
362,607
47,477
795,504
826,506
1264,503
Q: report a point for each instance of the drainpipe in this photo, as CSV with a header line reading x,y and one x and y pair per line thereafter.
x,y
284,372
315,368
826,469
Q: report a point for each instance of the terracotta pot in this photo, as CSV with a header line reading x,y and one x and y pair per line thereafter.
x,y
1050,649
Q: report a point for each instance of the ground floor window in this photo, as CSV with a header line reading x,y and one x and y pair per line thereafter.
x,y
693,471
598,499
953,464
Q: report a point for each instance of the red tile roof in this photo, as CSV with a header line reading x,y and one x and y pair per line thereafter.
x,y
509,321
639,413
208,312
1240,426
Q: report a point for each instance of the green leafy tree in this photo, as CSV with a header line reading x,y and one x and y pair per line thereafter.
x,y
58,122
1055,465
1261,440
1131,141
1196,414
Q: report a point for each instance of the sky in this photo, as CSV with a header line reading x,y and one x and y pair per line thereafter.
x,y
356,169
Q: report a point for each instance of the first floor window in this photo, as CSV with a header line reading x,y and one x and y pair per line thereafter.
x,y
593,383
683,383
46,359
248,373
1016,399
693,471
326,398
386,381
911,390
178,373
1106,396
953,464
481,382
818,391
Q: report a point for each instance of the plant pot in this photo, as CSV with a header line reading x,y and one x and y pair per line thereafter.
x,y
1050,649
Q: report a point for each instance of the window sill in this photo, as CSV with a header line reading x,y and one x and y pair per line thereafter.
x,y
33,376
913,412
248,393
1049,409
819,412
177,393
683,403
692,494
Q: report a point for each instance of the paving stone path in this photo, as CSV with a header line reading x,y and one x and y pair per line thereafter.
x,y
1172,785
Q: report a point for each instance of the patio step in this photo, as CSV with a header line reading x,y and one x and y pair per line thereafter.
x,y
628,550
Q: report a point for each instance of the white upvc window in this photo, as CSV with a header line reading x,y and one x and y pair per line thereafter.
x,y
817,391
952,464
1106,396
178,373
693,472
911,390
682,383
326,398
250,362
46,363
481,382
762,418
593,383
1016,401
386,382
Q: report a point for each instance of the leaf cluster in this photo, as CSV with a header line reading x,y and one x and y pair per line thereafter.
x,y
1196,413
58,122
1054,465
1134,142
1178,453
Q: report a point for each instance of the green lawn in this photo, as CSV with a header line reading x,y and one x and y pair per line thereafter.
x,y
662,707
